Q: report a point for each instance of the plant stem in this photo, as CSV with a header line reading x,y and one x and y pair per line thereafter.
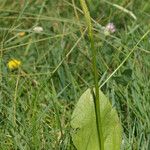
x,y
96,94
95,74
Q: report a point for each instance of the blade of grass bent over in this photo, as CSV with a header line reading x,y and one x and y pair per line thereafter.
x,y
132,50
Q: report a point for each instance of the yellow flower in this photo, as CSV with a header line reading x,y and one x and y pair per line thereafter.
x,y
21,34
14,64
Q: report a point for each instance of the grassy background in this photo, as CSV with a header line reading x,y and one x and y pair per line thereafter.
x,y
36,101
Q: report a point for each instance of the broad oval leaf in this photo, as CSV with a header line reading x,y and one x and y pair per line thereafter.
x,y
83,122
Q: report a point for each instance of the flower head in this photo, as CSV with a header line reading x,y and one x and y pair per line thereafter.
x,y
21,34
14,64
110,28
38,29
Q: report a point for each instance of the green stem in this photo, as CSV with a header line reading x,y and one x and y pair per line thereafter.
x,y
95,74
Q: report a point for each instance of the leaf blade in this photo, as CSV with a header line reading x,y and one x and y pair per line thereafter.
x,y
84,124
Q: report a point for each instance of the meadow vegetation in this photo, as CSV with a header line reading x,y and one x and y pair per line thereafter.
x,y
38,98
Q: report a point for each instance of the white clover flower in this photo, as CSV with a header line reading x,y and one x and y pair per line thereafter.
x,y
109,28
38,29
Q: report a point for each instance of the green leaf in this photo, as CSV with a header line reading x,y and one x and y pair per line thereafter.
x,y
83,122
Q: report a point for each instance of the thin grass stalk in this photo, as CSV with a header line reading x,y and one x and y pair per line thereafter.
x,y
95,74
